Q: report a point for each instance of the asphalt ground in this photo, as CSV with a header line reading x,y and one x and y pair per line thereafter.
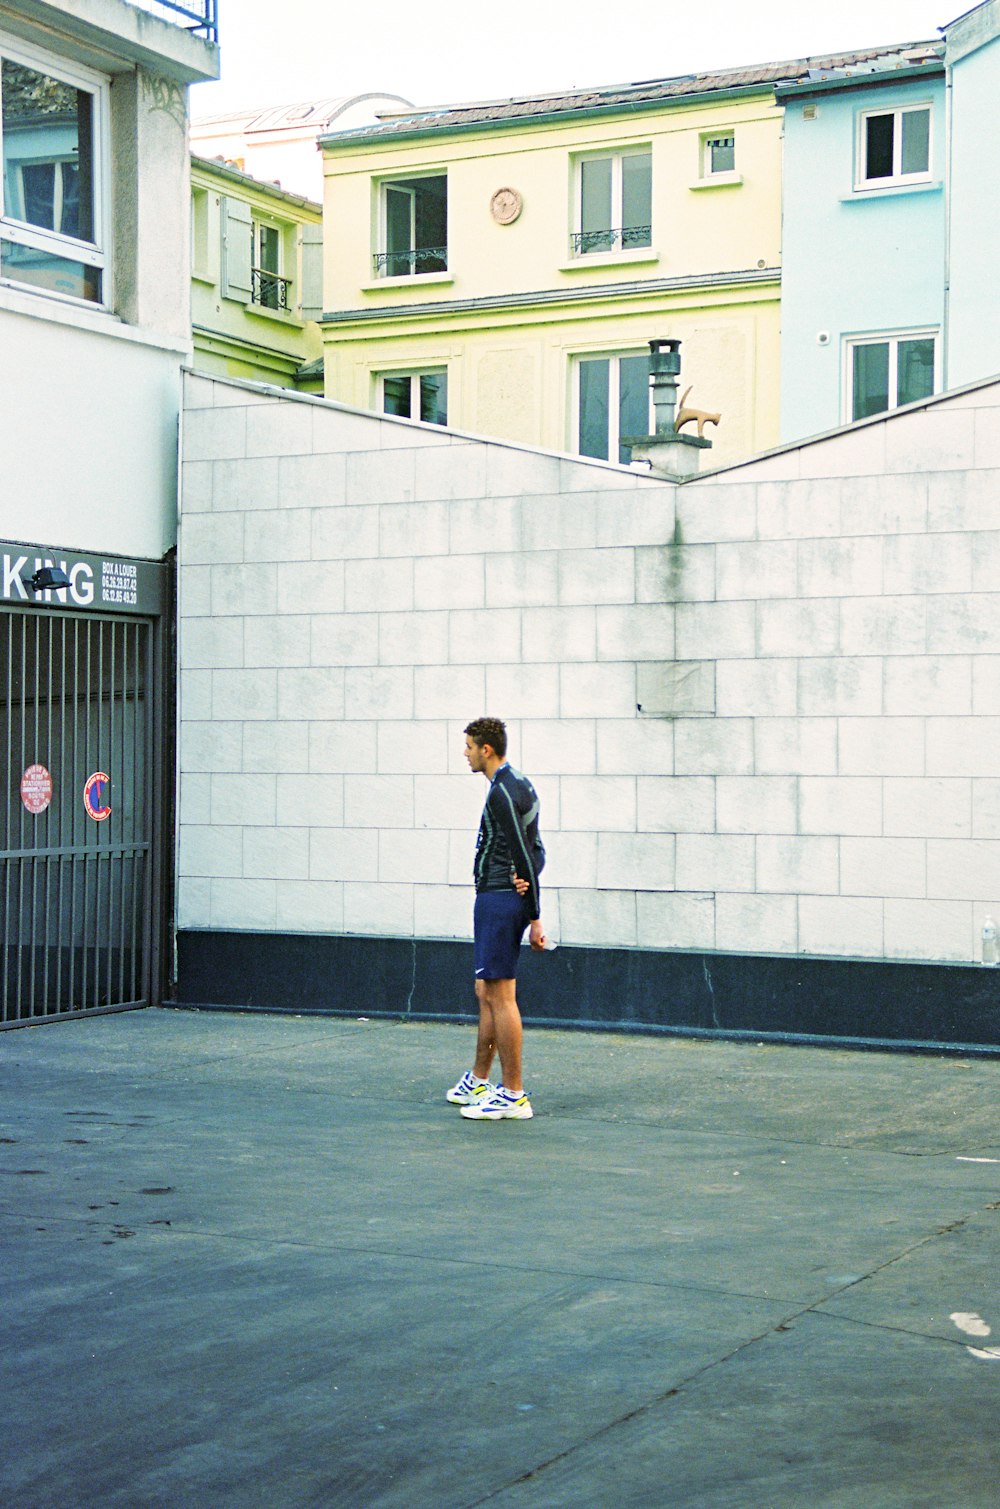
x,y
258,1260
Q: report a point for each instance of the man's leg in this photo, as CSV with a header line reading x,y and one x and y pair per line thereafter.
x,y
486,1042
499,999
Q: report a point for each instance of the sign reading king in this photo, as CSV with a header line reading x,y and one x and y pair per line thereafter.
x,y
100,582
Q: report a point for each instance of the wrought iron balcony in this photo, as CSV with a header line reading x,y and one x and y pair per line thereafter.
x,y
619,238
198,16
400,264
268,290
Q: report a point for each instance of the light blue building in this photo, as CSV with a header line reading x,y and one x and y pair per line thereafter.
x,y
863,239
891,218
972,313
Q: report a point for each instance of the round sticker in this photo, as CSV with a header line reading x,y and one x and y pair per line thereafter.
x,y
95,796
36,789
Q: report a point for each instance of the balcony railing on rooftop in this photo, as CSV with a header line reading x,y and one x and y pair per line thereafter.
x,y
198,16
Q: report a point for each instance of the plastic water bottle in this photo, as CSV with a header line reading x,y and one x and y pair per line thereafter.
x,y
989,941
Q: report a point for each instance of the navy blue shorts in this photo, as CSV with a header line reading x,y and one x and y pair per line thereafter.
x,y
500,919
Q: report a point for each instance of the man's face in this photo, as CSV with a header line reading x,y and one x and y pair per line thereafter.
x,y
475,754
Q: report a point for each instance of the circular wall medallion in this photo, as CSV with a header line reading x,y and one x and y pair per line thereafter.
x,y
505,206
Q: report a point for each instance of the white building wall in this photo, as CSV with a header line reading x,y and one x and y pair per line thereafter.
x,y
90,395
762,710
90,433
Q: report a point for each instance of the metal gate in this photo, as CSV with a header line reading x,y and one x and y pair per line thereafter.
x,y
77,820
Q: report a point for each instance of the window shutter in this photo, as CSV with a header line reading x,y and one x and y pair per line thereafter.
x,y
311,291
237,246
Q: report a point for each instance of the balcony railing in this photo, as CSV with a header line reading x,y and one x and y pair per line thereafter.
x,y
399,264
199,16
619,238
268,290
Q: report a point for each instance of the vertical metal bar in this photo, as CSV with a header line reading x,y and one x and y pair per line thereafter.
x,y
152,795
68,787
39,623
140,820
20,826
123,816
8,622
114,793
99,827
47,861
58,777
86,945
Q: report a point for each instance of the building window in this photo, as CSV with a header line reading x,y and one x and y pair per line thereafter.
x,y
718,155
416,395
614,202
613,401
889,371
413,217
51,212
894,147
269,288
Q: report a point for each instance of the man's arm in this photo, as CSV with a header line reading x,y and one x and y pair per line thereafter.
x,y
502,806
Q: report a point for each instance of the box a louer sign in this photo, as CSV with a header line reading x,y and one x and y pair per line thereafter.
x,y
96,582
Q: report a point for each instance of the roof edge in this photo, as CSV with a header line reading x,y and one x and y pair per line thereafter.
x,y
237,175
860,80
885,417
362,135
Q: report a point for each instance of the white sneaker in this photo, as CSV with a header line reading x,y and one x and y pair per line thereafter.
x,y
469,1090
502,1105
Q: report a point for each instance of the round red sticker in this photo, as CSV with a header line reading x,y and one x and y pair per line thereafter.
x,y
36,789
95,796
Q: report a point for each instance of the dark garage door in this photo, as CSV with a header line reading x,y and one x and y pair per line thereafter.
x,y
77,817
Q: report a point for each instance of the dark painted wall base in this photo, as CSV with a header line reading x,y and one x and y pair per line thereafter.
x,y
859,1001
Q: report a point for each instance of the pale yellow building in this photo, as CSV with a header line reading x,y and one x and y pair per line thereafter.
x,y
256,278
568,232
501,267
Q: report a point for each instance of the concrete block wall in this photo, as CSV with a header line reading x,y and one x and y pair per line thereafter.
x,y
762,710
353,591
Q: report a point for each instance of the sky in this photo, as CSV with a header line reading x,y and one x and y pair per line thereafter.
x,y
303,50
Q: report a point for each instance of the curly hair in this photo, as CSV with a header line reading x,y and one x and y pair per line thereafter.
x,y
489,731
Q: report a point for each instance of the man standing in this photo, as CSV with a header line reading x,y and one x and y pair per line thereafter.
x,y
509,860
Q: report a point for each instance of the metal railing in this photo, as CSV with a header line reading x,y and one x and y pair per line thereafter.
x,y
199,16
76,876
616,238
399,264
268,289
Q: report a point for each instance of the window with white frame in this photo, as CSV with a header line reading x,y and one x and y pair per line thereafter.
x,y
718,155
886,371
613,402
415,395
894,147
413,226
614,202
268,286
54,127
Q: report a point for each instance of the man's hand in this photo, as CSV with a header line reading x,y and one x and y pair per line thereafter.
x,y
536,935
520,885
